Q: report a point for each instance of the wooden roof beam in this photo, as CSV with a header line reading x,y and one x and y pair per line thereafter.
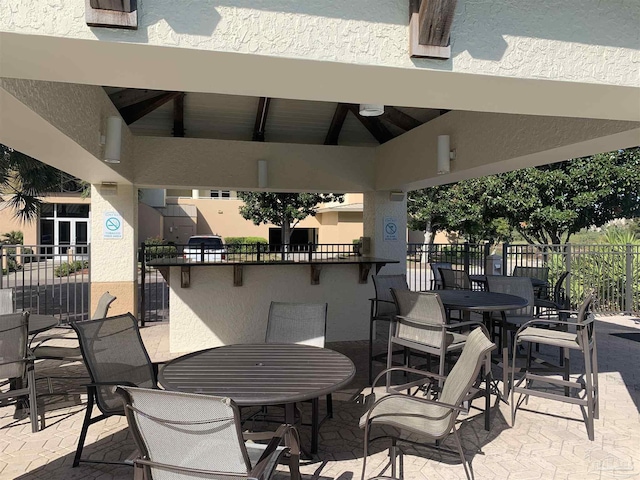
x,y
261,119
130,96
430,27
138,110
374,125
178,116
400,119
337,121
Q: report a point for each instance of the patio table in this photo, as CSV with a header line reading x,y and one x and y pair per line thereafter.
x,y
41,323
482,279
261,375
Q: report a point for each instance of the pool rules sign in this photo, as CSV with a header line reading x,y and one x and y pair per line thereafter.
x,y
111,226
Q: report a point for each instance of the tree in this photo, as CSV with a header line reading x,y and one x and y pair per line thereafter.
x,y
544,204
23,180
284,210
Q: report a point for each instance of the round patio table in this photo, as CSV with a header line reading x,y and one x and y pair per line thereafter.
x,y
261,374
480,301
482,279
41,323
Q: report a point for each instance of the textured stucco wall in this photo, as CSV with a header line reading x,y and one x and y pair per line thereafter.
x,y
378,207
488,143
213,312
586,41
78,114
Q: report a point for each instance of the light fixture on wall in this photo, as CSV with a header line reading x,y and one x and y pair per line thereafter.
x,y
371,110
396,196
263,179
112,140
445,154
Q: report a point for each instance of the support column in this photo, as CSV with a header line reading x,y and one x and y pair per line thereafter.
x,y
114,246
381,216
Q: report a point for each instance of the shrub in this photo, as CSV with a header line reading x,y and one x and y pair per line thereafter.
x,y
156,247
65,269
233,244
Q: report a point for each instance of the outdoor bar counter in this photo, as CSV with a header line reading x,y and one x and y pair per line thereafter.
x,y
228,303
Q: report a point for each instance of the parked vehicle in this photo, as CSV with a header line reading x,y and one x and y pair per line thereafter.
x,y
207,248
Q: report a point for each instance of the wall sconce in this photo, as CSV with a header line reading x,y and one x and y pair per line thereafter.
x,y
445,154
396,196
262,174
371,110
112,140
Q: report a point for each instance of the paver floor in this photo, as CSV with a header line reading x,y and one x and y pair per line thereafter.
x,y
548,440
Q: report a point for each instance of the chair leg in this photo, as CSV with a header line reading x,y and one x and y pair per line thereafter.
x,y
392,457
594,356
566,370
370,351
33,404
314,425
466,467
366,449
329,406
589,386
85,427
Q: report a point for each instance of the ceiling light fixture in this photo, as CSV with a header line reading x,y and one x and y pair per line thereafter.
x,y
371,110
445,154
112,140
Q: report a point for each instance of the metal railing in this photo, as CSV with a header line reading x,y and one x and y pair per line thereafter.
x,y
612,271
48,279
154,290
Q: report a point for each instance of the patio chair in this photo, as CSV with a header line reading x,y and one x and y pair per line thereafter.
x,y
6,301
454,279
421,326
192,436
559,300
383,309
583,340
303,324
541,273
114,354
436,279
434,419
16,362
71,353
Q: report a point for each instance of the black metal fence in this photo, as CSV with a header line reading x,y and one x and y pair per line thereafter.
x,y
612,271
48,279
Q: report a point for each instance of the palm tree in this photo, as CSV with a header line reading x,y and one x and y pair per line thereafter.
x,y
23,180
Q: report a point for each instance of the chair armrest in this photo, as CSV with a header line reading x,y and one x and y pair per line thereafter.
x,y
540,321
380,300
433,376
451,326
420,400
542,302
259,470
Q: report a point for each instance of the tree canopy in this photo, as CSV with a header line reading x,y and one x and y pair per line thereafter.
x,y
23,180
544,204
284,210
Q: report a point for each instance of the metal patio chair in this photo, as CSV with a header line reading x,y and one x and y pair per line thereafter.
x,y
584,340
558,300
114,354
303,324
190,436
6,301
416,413
436,279
71,353
16,362
541,273
383,309
454,279
421,326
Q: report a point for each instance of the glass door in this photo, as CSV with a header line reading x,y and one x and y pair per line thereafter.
x,y
81,239
64,235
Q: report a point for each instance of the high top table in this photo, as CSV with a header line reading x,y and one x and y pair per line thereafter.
x,y
261,374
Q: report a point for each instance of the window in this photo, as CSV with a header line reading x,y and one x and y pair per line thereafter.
x,y
220,194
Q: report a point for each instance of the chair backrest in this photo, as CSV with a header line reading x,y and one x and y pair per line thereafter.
x,y
186,431
383,285
14,335
518,286
437,279
464,372
585,321
454,279
427,318
103,306
6,301
559,295
301,323
113,352
541,273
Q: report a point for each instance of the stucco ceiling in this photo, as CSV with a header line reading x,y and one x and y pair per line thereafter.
x,y
232,117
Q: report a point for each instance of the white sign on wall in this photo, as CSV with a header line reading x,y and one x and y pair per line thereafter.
x,y
111,225
390,233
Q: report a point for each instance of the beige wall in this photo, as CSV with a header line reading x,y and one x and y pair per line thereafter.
x,y
150,222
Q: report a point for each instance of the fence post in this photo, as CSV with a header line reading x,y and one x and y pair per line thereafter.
x,y
310,251
143,274
505,251
466,257
567,263
628,307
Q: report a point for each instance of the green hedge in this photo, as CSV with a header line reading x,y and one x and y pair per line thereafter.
x,y
65,269
156,247
233,244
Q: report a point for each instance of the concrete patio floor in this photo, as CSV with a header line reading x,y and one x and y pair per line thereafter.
x,y
548,441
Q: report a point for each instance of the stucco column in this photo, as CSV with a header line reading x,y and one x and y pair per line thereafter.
x,y
114,245
385,223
